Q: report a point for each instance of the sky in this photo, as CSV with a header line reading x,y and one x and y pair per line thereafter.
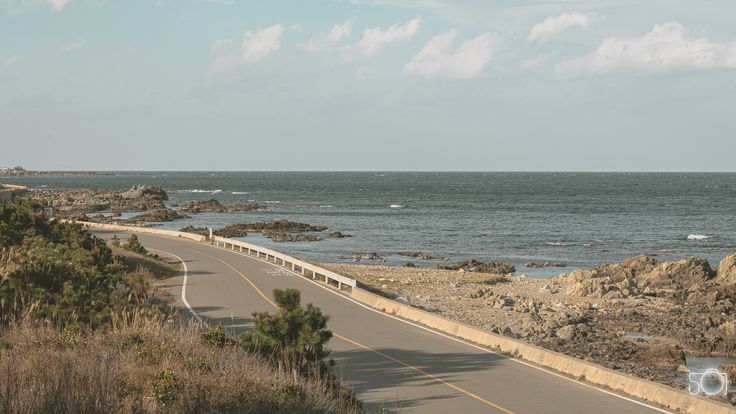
x,y
426,85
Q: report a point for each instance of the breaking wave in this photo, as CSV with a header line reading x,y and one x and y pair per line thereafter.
x,y
697,237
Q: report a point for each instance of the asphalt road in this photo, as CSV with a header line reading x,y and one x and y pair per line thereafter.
x,y
391,364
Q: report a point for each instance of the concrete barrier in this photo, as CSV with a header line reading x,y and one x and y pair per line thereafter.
x,y
594,374
9,192
145,230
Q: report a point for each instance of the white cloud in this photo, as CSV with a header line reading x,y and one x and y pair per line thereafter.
x,y
336,34
376,38
537,61
439,58
227,61
666,47
58,5
554,25
364,72
74,46
12,60
257,45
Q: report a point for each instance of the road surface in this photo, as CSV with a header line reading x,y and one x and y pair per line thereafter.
x,y
390,363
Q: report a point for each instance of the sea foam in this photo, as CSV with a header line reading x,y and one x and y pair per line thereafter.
x,y
697,237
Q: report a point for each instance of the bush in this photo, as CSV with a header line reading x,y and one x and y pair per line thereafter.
x,y
54,270
296,336
134,245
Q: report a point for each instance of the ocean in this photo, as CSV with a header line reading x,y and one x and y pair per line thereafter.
x,y
580,219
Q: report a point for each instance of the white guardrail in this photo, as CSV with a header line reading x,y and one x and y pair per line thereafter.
x,y
292,263
296,265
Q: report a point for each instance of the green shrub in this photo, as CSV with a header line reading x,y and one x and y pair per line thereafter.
x,y
296,336
165,388
134,245
217,337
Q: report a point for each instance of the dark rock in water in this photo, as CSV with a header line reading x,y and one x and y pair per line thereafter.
x,y
233,230
164,214
204,231
498,268
423,256
291,237
203,206
283,226
214,206
363,256
533,265
245,207
145,192
409,264
337,235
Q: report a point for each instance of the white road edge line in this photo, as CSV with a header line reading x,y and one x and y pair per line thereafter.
x,y
183,284
643,404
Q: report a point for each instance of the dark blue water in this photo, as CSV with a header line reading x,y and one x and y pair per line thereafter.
x,y
582,219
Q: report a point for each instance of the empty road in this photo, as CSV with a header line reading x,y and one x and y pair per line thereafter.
x,y
391,364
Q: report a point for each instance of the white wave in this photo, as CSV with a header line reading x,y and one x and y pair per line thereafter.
x,y
326,206
240,192
697,237
196,190
559,243
396,206
272,202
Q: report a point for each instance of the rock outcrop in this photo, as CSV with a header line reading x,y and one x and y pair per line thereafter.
x,y
214,206
727,270
145,192
534,265
423,256
640,275
497,268
204,231
279,230
356,257
160,215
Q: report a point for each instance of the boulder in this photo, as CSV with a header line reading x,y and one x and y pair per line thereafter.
x,y
337,235
727,270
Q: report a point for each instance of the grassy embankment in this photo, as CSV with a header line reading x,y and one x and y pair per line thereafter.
x,y
83,329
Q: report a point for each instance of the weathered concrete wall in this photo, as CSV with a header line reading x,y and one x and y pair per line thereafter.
x,y
646,390
168,233
9,192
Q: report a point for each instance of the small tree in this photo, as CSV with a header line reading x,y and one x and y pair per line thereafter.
x,y
295,336
134,245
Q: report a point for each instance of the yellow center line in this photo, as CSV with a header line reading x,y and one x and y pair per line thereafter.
x,y
367,348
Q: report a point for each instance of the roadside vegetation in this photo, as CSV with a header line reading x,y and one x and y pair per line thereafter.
x,y
84,329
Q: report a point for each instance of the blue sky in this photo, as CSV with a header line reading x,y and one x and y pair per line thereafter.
x,y
368,85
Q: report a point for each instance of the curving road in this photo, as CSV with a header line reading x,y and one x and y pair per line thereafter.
x,y
391,364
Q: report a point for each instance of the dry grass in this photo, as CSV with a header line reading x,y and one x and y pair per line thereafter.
x,y
145,364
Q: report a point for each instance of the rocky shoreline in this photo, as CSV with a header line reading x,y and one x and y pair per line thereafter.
x,y
641,316
105,206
